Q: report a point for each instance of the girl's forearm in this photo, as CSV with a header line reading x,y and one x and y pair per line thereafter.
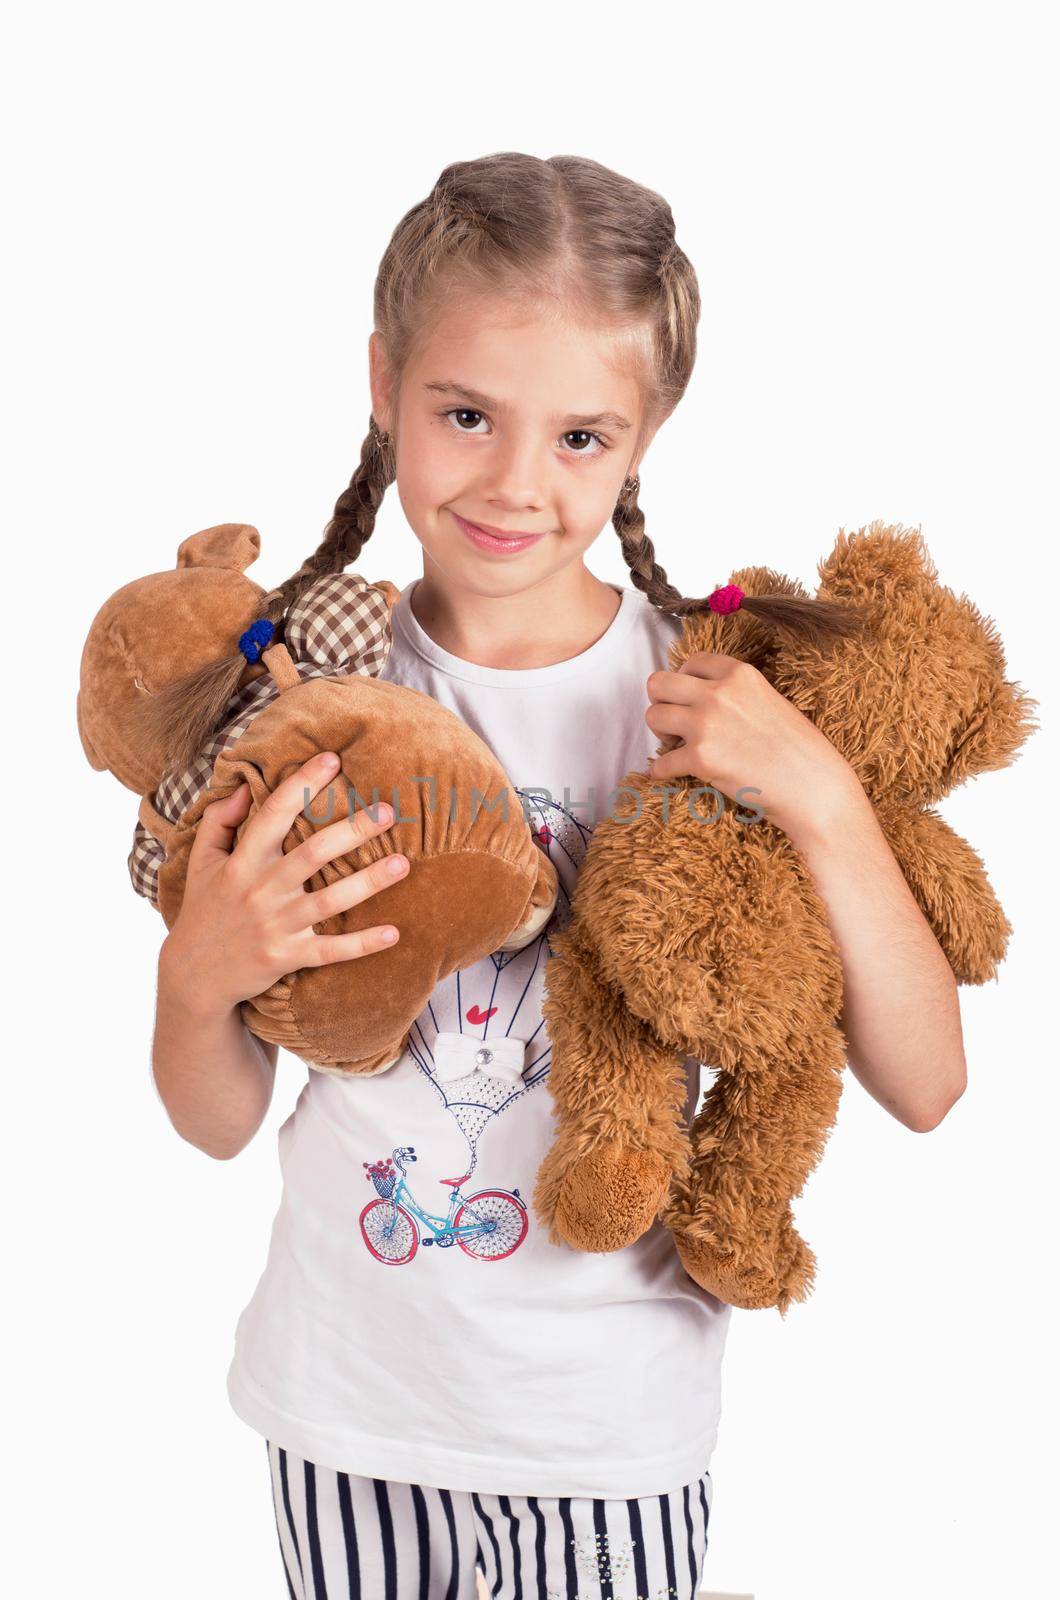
x,y
213,1077
901,1013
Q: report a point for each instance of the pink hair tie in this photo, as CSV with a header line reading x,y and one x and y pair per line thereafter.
x,y
725,599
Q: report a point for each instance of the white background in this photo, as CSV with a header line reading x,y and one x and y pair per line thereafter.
x,y
197,198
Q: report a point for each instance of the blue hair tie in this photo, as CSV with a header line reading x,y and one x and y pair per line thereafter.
x,y
257,636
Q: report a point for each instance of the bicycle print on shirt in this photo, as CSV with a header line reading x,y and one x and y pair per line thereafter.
x,y
479,1073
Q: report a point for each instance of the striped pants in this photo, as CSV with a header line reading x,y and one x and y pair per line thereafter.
x,y
344,1537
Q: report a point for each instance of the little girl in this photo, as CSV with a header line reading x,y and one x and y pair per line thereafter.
x,y
545,1415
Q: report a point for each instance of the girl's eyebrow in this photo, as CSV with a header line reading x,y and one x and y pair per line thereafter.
x,y
607,419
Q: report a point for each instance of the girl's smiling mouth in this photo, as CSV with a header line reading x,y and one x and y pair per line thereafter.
x,y
492,539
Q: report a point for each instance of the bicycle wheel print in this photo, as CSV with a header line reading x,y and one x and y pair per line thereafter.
x,y
510,1225
389,1232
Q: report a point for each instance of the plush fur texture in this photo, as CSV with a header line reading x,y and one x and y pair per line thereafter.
x,y
711,941
478,882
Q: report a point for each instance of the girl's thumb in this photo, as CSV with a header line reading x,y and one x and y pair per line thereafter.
x,y
221,818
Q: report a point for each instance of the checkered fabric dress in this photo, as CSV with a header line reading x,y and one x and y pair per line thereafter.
x,y
338,626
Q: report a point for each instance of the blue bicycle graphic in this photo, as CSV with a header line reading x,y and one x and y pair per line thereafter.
x,y
488,1225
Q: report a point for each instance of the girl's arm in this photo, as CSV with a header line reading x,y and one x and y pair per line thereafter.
x,y
213,1076
246,919
901,1014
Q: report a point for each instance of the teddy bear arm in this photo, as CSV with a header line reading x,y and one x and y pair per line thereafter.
x,y
949,883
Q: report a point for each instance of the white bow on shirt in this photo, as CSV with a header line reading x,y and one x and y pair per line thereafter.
x,y
458,1054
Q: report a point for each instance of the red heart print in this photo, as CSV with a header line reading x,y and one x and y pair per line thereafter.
x,y
476,1016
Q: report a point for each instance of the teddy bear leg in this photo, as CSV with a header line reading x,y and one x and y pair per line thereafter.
x,y
607,1197
619,1098
755,1139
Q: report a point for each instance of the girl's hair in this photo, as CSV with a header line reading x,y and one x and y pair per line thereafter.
x,y
565,231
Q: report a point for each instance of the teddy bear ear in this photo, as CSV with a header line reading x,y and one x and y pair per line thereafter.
x,y
879,561
234,545
998,724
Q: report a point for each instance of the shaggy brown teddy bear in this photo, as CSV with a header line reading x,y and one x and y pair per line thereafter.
x,y
710,941
478,881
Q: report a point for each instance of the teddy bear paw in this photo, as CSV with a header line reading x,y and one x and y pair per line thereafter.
x,y
750,1287
609,1197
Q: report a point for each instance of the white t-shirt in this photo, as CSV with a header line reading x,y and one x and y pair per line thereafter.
x,y
383,1342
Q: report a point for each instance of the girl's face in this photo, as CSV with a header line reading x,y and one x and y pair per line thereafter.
x,y
515,422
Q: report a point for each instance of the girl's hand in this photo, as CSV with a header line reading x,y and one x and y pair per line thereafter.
x,y
741,733
246,919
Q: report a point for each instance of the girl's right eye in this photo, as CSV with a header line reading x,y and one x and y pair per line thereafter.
x,y
461,412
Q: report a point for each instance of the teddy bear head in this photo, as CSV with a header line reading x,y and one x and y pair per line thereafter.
x,y
917,699
157,630
154,631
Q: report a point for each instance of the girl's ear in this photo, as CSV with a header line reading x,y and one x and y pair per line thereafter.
x,y
641,451
381,381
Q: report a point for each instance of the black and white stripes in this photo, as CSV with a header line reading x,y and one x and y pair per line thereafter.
x,y
344,1537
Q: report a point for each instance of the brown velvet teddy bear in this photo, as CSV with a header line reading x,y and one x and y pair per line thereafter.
x,y
478,881
710,941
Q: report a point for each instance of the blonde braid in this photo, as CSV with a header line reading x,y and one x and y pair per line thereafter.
x,y
351,526
820,621
639,554
181,717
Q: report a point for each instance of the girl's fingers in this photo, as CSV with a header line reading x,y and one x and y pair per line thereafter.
x,y
264,834
216,833
349,891
700,674
666,717
327,947
328,843
702,664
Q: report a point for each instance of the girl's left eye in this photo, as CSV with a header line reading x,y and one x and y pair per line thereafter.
x,y
459,414
584,433
463,411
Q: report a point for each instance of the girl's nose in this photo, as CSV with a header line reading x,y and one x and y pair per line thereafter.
x,y
516,476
